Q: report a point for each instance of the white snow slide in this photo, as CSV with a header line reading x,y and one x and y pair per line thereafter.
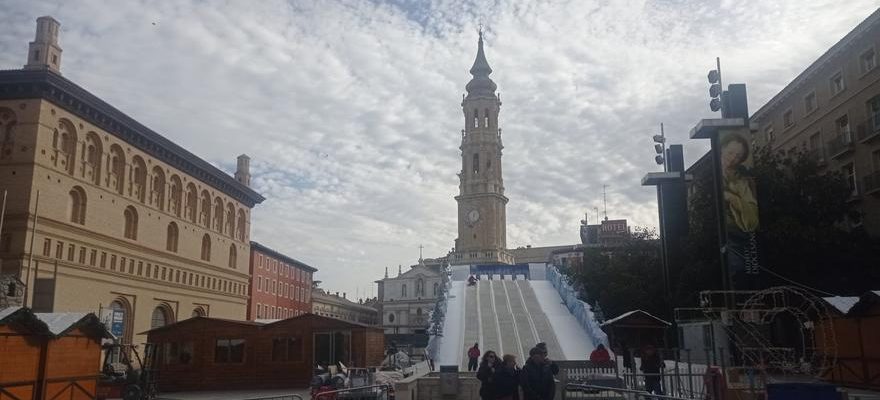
x,y
509,317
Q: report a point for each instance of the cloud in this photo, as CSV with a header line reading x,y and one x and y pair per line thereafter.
x,y
351,110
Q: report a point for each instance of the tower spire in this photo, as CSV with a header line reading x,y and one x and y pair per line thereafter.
x,y
481,84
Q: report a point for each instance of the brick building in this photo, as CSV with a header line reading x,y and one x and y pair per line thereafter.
x,y
120,219
280,286
832,111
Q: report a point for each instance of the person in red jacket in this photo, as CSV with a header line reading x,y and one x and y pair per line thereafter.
x,y
473,355
600,355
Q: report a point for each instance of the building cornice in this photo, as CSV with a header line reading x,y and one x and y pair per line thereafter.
x,y
257,247
843,44
50,86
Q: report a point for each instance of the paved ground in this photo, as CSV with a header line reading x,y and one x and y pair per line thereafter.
x,y
234,394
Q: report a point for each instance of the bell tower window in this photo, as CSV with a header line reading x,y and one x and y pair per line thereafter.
x,y
476,118
486,118
476,163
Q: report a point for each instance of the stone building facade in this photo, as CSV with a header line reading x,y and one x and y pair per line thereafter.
x,y
832,111
406,299
105,215
280,286
333,305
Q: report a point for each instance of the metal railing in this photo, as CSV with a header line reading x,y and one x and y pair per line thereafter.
x,y
840,144
278,397
379,392
604,392
872,182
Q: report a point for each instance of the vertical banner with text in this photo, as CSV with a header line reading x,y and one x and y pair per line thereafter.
x,y
736,161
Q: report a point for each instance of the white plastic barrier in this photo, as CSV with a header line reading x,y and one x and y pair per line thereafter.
x,y
580,309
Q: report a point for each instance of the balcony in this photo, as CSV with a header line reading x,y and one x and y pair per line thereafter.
x,y
869,130
872,183
817,155
841,145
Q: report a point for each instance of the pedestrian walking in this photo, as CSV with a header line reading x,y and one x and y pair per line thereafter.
x,y
486,375
553,367
652,367
473,355
507,379
536,377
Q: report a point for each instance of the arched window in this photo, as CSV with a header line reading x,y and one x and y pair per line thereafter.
x,y
131,223
176,195
199,312
230,219
116,178
391,317
218,215
77,207
403,290
486,118
436,287
172,239
420,287
205,209
92,159
233,256
8,121
419,312
162,315
476,163
139,179
65,142
120,319
192,202
241,226
157,194
476,118
206,247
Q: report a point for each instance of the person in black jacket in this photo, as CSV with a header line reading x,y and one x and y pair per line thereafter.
x,y
553,367
486,375
652,367
536,378
507,379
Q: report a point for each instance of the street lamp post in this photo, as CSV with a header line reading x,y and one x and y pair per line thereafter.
x,y
672,210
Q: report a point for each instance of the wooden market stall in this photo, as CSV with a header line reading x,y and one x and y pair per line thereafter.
x,y
209,353
49,355
856,343
633,330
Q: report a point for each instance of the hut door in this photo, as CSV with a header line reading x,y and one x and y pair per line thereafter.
x,y
332,347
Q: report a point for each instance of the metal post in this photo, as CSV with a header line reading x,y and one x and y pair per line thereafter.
x,y
690,373
677,374
3,212
27,279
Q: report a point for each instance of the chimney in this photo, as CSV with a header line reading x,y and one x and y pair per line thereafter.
x,y
343,295
44,52
243,170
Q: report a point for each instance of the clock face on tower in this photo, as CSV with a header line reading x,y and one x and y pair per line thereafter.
x,y
473,216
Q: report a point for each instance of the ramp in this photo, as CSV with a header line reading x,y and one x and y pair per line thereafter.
x,y
509,317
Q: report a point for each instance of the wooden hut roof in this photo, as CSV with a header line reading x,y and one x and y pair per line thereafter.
x,y
636,319
54,324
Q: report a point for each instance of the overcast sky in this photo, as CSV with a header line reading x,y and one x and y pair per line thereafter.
x,y
351,110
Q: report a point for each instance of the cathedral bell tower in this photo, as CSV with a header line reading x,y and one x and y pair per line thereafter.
x,y
482,230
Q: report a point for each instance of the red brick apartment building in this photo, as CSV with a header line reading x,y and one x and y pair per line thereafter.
x,y
280,286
